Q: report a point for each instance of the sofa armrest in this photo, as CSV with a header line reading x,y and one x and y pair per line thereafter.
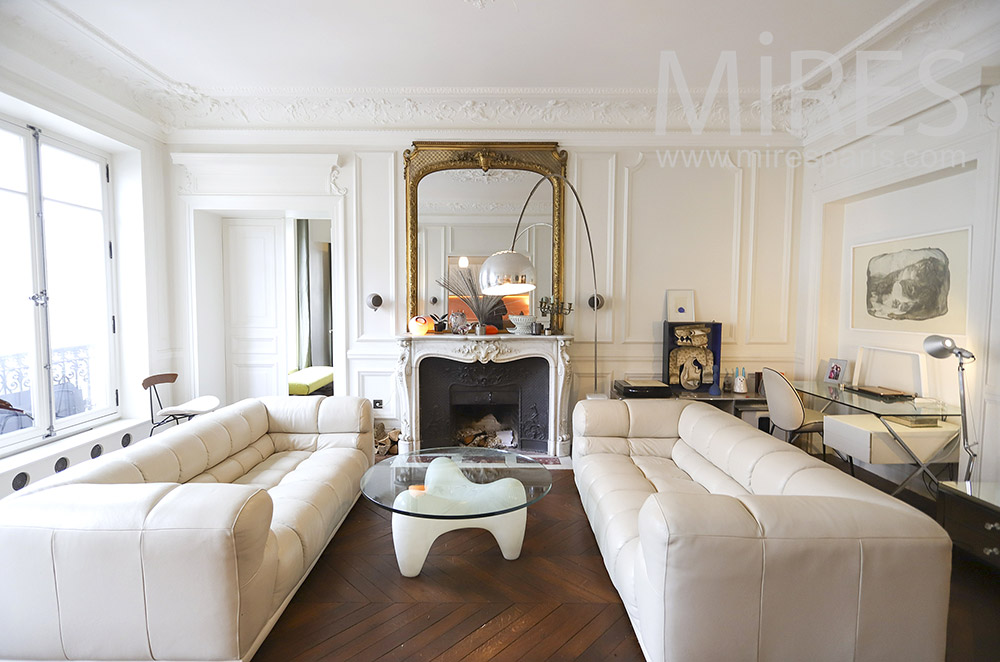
x,y
790,577
135,571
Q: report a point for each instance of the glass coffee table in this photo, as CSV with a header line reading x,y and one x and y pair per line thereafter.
x,y
438,490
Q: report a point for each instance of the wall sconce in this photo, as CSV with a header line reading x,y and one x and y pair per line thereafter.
x,y
374,301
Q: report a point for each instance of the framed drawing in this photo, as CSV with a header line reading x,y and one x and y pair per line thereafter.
x,y
916,284
680,305
836,372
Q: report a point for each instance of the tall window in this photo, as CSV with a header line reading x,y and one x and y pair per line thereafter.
x,y
57,334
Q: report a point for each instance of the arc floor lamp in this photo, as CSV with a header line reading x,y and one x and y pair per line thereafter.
x,y
941,347
509,272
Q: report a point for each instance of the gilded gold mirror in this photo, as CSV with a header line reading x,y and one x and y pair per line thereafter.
x,y
469,209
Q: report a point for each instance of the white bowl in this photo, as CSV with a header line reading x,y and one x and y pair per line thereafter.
x,y
522,324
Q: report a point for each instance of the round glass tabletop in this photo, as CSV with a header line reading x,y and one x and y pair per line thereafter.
x,y
456,483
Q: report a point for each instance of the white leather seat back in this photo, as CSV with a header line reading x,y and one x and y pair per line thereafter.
x,y
310,423
626,427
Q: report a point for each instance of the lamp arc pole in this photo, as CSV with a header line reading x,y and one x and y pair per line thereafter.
x,y
590,245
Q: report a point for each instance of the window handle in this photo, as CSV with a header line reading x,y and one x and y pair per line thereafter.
x,y
40,299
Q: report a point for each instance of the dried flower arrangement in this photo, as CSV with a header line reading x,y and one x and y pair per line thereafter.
x,y
463,284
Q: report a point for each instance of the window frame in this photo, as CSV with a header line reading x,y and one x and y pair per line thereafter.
x,y
47,428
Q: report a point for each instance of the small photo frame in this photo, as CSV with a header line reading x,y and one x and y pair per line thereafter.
x,y
836,372
680,305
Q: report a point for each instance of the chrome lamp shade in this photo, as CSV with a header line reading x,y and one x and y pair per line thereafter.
x,y
506,272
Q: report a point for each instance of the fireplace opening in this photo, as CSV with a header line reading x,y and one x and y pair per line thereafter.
x,y
494,405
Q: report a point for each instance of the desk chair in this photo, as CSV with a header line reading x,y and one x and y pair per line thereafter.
x,y
786,410
186,411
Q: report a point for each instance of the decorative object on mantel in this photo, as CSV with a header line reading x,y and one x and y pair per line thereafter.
x,y
457,320
420,325
509,272
463,285
941,347
522,324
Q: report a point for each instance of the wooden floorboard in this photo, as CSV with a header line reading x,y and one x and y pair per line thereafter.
x,y
555,602
468,603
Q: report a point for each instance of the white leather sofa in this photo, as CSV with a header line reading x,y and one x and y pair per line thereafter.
x,y
185,546
728,544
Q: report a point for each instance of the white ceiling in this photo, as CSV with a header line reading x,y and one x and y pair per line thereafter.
x,y
229,46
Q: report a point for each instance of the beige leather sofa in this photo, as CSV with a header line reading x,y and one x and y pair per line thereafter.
x,y
728,544
185,546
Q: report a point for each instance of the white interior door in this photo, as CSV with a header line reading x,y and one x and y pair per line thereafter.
x,y
255,303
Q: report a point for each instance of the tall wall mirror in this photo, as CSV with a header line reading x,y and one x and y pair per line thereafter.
x,y
463,201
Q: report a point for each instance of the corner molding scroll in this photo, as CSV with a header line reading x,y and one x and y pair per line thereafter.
x,y
990,105
335,188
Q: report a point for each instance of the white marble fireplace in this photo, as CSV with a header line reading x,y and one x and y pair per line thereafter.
x,y
489,351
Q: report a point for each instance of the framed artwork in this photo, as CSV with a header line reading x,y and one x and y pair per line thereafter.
x,y
836,372
680,305
916,284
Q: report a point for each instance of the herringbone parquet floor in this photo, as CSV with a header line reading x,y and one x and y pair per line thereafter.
x,y
554,603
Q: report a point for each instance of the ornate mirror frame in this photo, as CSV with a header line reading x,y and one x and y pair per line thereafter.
x,y
544,158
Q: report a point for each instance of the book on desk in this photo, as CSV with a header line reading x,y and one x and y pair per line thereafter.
x,y
888,394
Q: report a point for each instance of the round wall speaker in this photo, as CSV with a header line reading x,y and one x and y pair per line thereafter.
x,y
20,480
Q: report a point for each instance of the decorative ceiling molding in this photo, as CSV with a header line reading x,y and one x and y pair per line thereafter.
x,y
968,27
60,41
79,51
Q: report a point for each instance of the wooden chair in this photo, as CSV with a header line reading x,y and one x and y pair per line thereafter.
x,y
186,411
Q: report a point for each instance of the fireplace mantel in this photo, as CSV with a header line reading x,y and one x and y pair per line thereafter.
x,y
499,348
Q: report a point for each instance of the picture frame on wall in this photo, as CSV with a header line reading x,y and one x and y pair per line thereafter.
x,y
914,284
836,371
680,305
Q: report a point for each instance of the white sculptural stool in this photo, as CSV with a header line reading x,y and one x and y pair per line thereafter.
x,y
500,507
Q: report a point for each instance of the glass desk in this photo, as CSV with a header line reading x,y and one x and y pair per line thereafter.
x,y
438,490
881,409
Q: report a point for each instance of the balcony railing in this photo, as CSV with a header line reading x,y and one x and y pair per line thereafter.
x,y
71,388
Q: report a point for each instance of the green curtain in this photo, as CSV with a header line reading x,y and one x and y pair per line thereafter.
x,y
302,288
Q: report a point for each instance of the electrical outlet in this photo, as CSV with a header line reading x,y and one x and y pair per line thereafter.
x,y
377,404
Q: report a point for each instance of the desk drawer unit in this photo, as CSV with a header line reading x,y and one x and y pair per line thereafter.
x,y
973,527
864,437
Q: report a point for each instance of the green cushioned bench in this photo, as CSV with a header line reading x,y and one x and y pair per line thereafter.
x,y
309,380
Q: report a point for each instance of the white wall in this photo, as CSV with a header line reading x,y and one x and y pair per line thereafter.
x,y
851,200
918,209
726,230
